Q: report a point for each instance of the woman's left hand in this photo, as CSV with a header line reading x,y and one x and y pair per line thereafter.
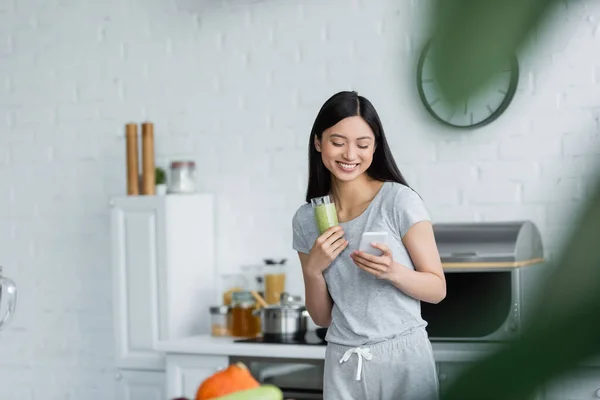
x,y
382,266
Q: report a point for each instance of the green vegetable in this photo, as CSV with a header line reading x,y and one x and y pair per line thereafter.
x,y
265,392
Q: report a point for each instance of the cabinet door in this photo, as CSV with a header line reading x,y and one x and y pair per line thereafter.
x,y
579,384
448,371
137,252
185,373
140,385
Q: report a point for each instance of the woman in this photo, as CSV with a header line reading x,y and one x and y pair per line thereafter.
x,y
378,347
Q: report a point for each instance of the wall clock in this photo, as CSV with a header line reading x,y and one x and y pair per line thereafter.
x,y
480,109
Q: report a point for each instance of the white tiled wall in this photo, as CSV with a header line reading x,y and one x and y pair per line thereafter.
x,y
236,85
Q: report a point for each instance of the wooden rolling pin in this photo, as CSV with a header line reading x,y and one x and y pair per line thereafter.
x,y
133,177
148,172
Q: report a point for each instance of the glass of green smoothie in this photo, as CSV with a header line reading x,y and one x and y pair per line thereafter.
x,y
325,213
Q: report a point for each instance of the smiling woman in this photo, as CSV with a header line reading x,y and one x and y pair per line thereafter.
x,y
370,304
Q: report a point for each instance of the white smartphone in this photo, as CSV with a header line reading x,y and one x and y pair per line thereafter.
x,y
372,237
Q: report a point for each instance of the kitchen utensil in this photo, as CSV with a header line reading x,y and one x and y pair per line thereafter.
x,y
283,320
8,295
148,168
259,299
133,178
287,298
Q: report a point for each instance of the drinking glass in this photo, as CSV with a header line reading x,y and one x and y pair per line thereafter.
x,y
325,213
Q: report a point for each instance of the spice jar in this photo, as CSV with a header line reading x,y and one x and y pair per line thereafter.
x,y
219,320
182,177
243,322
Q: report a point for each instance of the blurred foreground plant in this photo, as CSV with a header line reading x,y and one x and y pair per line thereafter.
x,y
473,39
564,331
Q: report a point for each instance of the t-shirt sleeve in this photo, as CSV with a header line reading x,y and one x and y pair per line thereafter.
x,y
410,209
298,239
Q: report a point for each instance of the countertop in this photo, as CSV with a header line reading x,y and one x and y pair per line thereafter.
x,y
209,345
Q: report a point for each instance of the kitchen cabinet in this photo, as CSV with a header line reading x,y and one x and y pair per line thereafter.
x,y
163,274
448,371
186,372
579,384
140,385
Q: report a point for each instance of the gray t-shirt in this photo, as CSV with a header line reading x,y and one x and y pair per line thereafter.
x,y
367,310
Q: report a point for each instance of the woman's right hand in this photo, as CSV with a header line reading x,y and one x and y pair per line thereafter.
x,y
326,248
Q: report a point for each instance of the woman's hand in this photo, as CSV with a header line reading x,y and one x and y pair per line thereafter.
x,y
382,266
326,248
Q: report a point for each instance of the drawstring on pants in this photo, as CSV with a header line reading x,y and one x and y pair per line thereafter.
x,y
363,352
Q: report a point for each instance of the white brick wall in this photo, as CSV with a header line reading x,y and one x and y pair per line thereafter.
x,y
236,85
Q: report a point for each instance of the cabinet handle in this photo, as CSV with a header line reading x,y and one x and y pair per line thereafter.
x,y
598,393
118,376
443,377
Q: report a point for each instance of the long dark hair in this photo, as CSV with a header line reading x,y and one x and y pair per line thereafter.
x,y
339,106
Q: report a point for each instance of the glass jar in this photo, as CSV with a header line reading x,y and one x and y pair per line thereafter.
x,y
243,321
231,283
274,272
255,279
219,321
182,177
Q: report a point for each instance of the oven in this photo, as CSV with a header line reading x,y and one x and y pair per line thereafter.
x,y
298,379
493,272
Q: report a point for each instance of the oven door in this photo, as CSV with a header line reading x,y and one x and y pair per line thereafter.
x,y
298,379
480,305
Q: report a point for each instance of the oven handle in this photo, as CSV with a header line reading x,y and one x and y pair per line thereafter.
x,y
301,395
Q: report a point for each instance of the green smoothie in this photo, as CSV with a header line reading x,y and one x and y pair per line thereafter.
x,y
326,216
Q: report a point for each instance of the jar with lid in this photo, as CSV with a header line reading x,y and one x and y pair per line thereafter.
x,y
182,177
243,322
274,273
219,320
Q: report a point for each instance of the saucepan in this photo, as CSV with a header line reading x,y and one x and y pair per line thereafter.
x,y
286,320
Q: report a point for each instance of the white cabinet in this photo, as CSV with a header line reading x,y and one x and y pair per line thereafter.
x,y
186,372
140,385
164,274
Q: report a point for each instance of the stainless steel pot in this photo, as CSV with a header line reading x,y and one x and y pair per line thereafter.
x,y
287,319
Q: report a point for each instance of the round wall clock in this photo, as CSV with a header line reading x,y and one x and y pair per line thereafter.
x,y
480,109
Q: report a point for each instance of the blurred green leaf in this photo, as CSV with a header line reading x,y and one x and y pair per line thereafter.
x,y
564,331
474,39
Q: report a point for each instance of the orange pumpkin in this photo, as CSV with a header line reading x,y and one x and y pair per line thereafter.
x,y
234,378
